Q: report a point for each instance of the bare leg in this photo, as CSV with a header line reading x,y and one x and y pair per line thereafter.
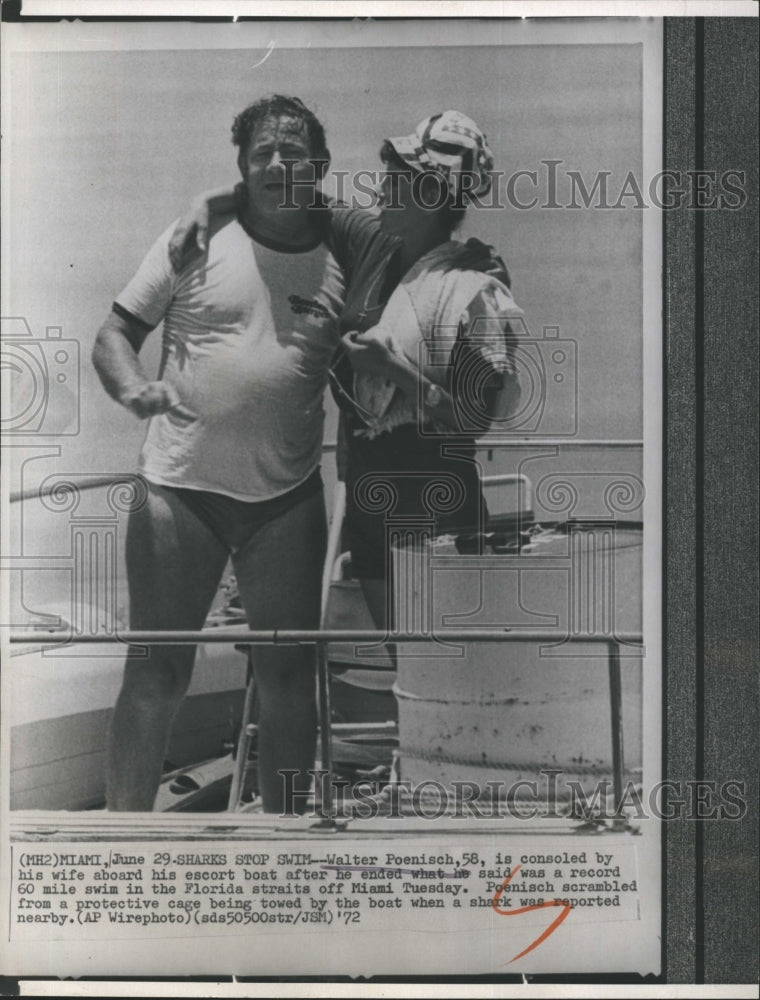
x,y
279,576
174,564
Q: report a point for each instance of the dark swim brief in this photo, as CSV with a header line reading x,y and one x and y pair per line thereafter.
x,y
234,522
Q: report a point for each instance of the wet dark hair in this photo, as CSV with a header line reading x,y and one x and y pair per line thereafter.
x,y
451,213
279,106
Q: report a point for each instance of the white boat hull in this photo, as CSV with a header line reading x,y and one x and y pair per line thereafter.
x,y
62,701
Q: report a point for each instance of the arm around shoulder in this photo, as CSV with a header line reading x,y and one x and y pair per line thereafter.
x,y
191,232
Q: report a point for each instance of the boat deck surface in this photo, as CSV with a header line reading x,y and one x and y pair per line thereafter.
x,y
50,827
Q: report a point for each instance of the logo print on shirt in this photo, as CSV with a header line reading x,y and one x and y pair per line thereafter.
x,y
310,306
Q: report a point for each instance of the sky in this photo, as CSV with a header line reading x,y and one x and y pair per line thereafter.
x,y
111,134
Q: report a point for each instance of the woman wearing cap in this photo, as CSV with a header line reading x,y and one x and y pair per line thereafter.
x,y
426,360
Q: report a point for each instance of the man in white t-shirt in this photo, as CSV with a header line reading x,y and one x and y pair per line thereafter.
x,y
232,451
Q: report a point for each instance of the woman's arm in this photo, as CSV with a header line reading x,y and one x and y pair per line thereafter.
x,y
482,391
373,354
484,363
191,232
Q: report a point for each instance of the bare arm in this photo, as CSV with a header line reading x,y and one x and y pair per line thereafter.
x,y
474,401
192,229
372,355
115,357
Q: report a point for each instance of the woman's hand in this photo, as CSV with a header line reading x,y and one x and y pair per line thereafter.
x,y
370,353
191,232
374,353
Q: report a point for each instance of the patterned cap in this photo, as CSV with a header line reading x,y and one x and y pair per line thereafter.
x,y
452,145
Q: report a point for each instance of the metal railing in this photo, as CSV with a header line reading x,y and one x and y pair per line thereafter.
x,y
321,637
329,447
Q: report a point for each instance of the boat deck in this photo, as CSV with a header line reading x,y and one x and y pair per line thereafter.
x,y
47,827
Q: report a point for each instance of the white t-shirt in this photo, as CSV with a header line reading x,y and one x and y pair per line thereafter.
x,y
249,331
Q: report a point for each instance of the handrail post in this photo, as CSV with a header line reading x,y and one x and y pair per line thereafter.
x,y
244,740
327,820
616,720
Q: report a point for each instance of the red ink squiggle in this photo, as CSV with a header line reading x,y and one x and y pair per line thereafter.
x,y
566,907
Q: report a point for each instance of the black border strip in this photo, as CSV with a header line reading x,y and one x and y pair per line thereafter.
x,y
681,869
699,470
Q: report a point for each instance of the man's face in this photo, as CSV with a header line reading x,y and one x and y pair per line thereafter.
x,y
268,177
